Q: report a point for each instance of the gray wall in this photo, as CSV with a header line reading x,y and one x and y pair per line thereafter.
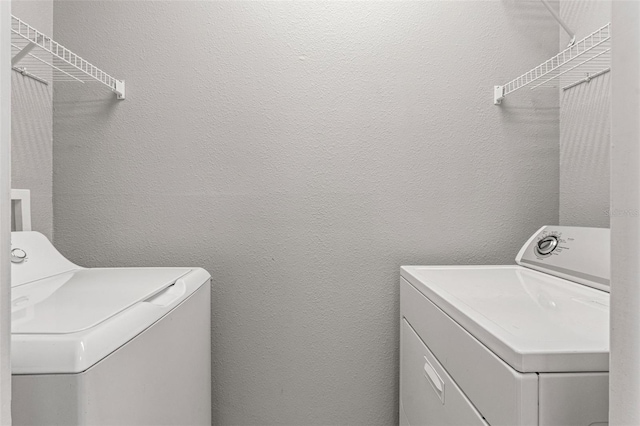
x,y
301,152
31,125
585,128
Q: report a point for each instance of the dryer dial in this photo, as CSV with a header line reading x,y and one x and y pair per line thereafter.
x,y
546,245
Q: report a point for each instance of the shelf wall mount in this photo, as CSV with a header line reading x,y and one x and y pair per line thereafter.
x,y
36,54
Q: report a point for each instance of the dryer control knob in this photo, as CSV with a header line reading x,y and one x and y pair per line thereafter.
x,y
546,245
18,255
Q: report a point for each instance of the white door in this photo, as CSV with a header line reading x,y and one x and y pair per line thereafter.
x,y
5,211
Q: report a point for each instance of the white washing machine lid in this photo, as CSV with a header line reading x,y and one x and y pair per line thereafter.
x,y
73,320
77,300
66,318
533,321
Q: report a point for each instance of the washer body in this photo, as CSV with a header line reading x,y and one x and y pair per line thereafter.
x,y
509,345
107,346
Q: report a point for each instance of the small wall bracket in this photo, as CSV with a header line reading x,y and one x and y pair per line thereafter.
x,y
119,89
498,94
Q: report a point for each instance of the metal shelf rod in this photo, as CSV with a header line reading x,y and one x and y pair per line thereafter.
x,y
587,79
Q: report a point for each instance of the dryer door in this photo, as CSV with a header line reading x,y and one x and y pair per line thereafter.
x,y
428,395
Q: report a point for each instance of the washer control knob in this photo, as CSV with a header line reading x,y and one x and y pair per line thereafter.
x,y
18,255
546,245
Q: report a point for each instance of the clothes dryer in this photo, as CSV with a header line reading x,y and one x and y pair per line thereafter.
x,y
524,344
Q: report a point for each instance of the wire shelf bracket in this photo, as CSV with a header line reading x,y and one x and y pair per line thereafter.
x,y
584,60
572,35
35,54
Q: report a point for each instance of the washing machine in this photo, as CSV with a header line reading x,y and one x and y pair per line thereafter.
x,y
524,344
107,346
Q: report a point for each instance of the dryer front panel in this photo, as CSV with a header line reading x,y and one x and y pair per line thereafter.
x,y
429,396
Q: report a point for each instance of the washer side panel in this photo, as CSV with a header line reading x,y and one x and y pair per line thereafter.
x,y
161,377
53,399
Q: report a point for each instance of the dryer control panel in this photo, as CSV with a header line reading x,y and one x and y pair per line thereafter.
x,y
575,253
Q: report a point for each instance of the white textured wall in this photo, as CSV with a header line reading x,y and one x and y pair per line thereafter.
x,y
31,117
301,152
585,128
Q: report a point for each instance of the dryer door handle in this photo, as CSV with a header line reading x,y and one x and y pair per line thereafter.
x,y
436,382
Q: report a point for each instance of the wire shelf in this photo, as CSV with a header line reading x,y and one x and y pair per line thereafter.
x,y
38,56
578,63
